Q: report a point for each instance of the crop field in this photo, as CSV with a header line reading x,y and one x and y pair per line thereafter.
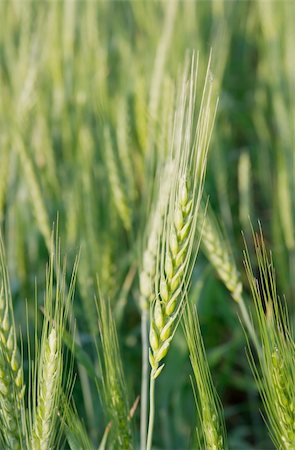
x,y
147,225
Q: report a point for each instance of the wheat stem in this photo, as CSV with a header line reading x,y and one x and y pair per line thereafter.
x,y
147,274
151,415
144,379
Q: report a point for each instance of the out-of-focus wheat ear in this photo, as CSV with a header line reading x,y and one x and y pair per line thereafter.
x,y
4,171
210,427
140,111
113,392
274,371
117,187
12,388
159,69
125,149
49,382
218,252
39,209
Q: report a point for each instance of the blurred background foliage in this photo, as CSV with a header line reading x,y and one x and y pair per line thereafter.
x,y
86,94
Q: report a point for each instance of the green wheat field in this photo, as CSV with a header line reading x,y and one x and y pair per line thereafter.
x,y
147,225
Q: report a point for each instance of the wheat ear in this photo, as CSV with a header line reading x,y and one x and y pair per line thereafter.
x,y
276,376
4,172
208,405
218,252
146,280
164,309
42,220
116,184
38,204
113,393
11,370
175,257
49,383
154,229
